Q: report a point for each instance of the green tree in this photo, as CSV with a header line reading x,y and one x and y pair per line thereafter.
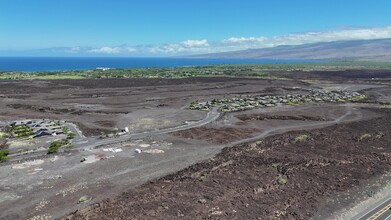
x,y
55,146
71,135
65,129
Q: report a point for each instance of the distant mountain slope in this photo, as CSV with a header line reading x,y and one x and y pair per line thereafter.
x,y
362,49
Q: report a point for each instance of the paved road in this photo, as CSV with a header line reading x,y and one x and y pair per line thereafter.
x,y
381,211
82,143
213,115
86,143
73,128
136,172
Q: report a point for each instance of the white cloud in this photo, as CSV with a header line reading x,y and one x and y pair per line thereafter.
x,y
106,50
113,50
307,37
74,49
244,40
130,50
195,43
184,47
195,46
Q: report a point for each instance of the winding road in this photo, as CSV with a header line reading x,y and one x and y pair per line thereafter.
x,y
139,170
213,115
349,110
82,143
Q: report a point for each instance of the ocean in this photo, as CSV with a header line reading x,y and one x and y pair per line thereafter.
x,y
36,64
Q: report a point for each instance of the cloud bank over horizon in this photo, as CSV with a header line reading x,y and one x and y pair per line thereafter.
x,y
203,46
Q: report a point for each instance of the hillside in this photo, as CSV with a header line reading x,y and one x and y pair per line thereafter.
x,y
379,49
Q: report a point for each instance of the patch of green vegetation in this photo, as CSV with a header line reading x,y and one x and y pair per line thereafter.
x,y
56,145
258,142
70,135
265,71
275,165
193,104
301,138
179,72
2,134
65,129
83,199
20,131
357,98
282,181
4,155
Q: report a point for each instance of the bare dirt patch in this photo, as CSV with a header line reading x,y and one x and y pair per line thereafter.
x,y
281,177
262,117
92,131
106,123
217,135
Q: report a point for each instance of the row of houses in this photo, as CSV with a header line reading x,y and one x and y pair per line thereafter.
x,y
251,102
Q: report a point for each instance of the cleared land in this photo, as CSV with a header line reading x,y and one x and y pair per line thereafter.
x,y
284,176
260,176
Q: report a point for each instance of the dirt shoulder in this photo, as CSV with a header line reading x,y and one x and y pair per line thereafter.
x,y
283,176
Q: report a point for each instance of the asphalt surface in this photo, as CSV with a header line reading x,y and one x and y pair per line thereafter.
x,y
381,211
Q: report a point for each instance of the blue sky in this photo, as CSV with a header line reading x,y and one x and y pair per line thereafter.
x,y
171,27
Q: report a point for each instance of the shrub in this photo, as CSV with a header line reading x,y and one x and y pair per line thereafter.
x,y
53,149
4,155
282,181
65,129
2,135
20,130
301,138
56,145
71,135
83,199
